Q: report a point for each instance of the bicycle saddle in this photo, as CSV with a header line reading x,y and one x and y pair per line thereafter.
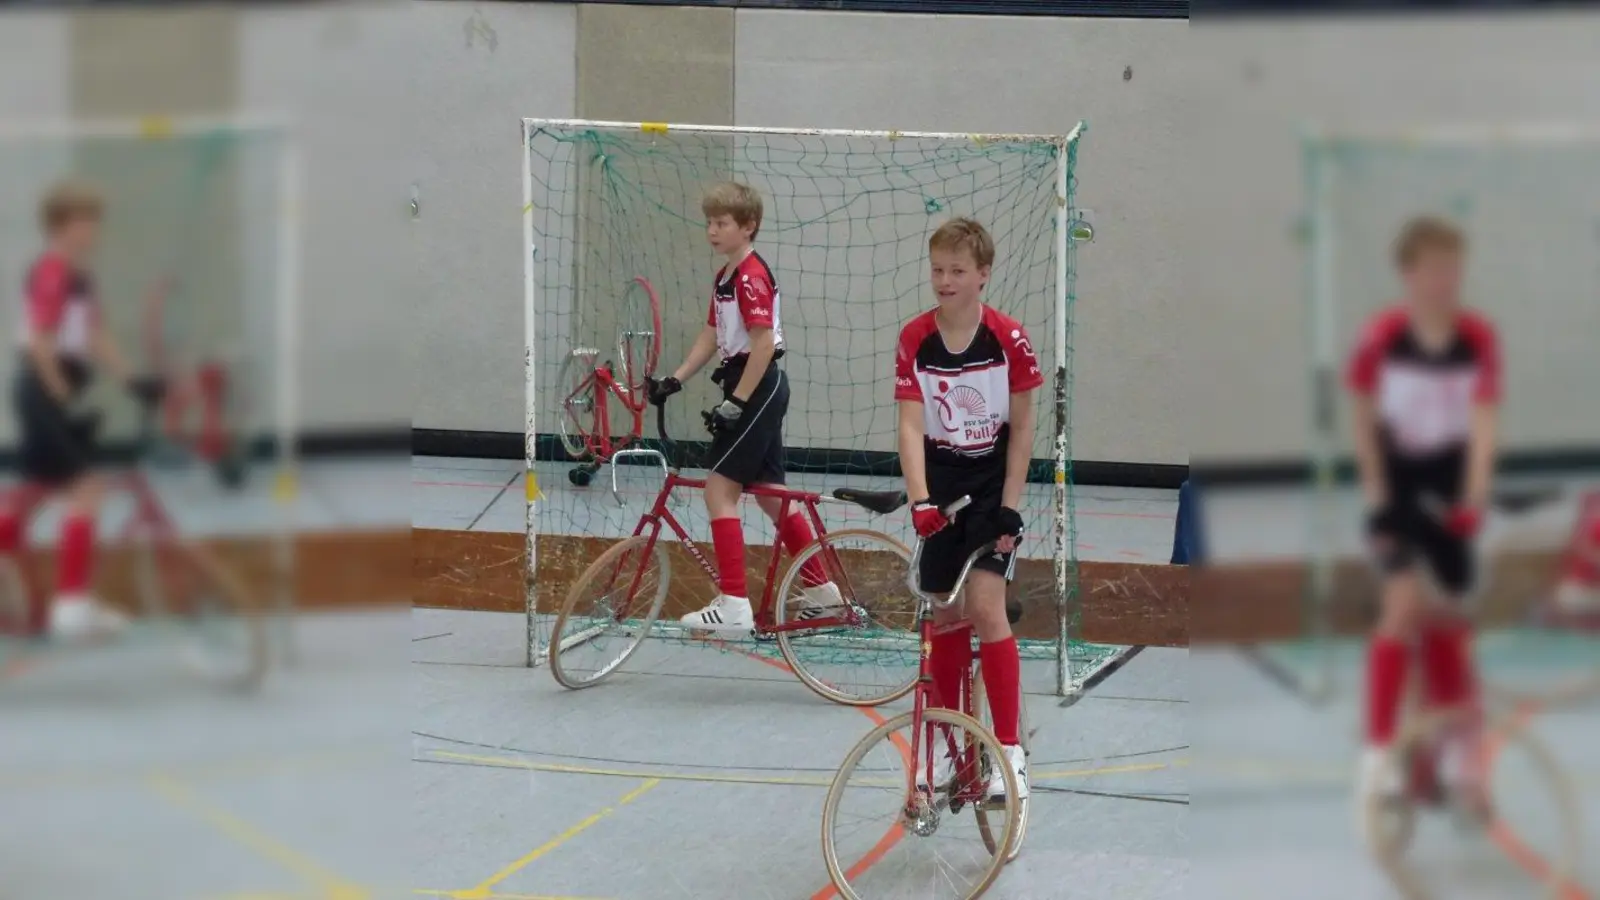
x,y
882,502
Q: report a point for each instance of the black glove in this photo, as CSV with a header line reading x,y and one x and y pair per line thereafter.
x,y
726,416
659,391
148,390
1007,522
81,420
1383,522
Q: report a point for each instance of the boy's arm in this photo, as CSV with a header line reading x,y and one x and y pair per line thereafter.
x,y
108,354
911,461
1369,465
1480,455
763,344
1019,453
42,348
699,354
1485,419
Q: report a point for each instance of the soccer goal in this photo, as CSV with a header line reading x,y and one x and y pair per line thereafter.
x,y
618,275
198,272
1528,199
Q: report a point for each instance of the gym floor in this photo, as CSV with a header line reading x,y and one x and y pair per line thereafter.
x,y
531,790
1274,772
123,777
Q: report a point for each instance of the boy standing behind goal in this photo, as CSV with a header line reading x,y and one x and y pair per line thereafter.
x,y
744,328
964,379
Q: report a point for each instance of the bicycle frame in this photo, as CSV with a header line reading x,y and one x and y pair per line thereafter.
x,y
21,502
971,788
597,438
660,515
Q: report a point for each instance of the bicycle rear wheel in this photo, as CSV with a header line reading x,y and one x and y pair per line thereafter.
x,y
609,612
917,845
186,585
638,338
857,665
578,392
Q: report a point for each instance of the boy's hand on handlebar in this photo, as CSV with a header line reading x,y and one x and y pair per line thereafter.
x,y
1007,529
927,519
148,390
1464,521
659,391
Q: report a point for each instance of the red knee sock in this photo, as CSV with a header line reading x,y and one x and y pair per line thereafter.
x,y
1447,663
1386,681
1002,681
10,531
727,536
77,555
950,656
795,532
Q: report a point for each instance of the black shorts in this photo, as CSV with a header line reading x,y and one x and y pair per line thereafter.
x,y
946,552
54,450
753,453
1421,493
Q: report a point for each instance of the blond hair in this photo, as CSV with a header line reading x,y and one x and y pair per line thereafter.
x,y
68,201
730,198
964,234
1426,234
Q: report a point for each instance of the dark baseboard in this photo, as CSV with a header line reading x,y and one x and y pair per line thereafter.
x,y
507,445
1298,472
323,444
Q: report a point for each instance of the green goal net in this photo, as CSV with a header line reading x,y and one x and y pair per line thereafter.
x,y
845,225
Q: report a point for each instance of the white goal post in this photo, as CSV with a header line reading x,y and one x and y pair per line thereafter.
x,y
246,165
847,214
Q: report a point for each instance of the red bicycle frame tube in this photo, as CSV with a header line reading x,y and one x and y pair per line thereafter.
x,y
597,439
659,513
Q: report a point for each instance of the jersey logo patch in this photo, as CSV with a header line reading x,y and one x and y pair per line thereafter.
x,y
964,411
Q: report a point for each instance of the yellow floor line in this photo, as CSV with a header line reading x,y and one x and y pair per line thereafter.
x,y
329,885
484,891
804,780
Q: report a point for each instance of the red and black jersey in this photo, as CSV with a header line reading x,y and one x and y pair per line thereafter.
x,y
744,298
1425,397
59,300
966,395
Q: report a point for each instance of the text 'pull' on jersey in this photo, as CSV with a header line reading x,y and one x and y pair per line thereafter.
x,y
743,298
966,395
58,300
1425,397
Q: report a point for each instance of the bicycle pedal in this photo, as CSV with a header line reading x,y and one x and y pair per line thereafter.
x,y
760,638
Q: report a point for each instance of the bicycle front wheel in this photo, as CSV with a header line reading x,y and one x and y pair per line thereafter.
x,y
985,715
609,612
883,838
842,573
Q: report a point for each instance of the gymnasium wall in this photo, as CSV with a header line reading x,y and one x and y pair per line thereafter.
x,y
1191,160
815,69
1254,84
314,66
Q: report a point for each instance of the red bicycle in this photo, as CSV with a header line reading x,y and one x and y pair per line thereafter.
x,y
904,790
848,612
179,586
588,386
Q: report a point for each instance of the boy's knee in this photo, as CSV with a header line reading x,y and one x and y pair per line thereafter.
x,y
1403,606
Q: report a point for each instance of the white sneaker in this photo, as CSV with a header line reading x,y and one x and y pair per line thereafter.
x,y
79,617
817,601
728,615
944,768
1376,781
1017,758
1574,599
1463,771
